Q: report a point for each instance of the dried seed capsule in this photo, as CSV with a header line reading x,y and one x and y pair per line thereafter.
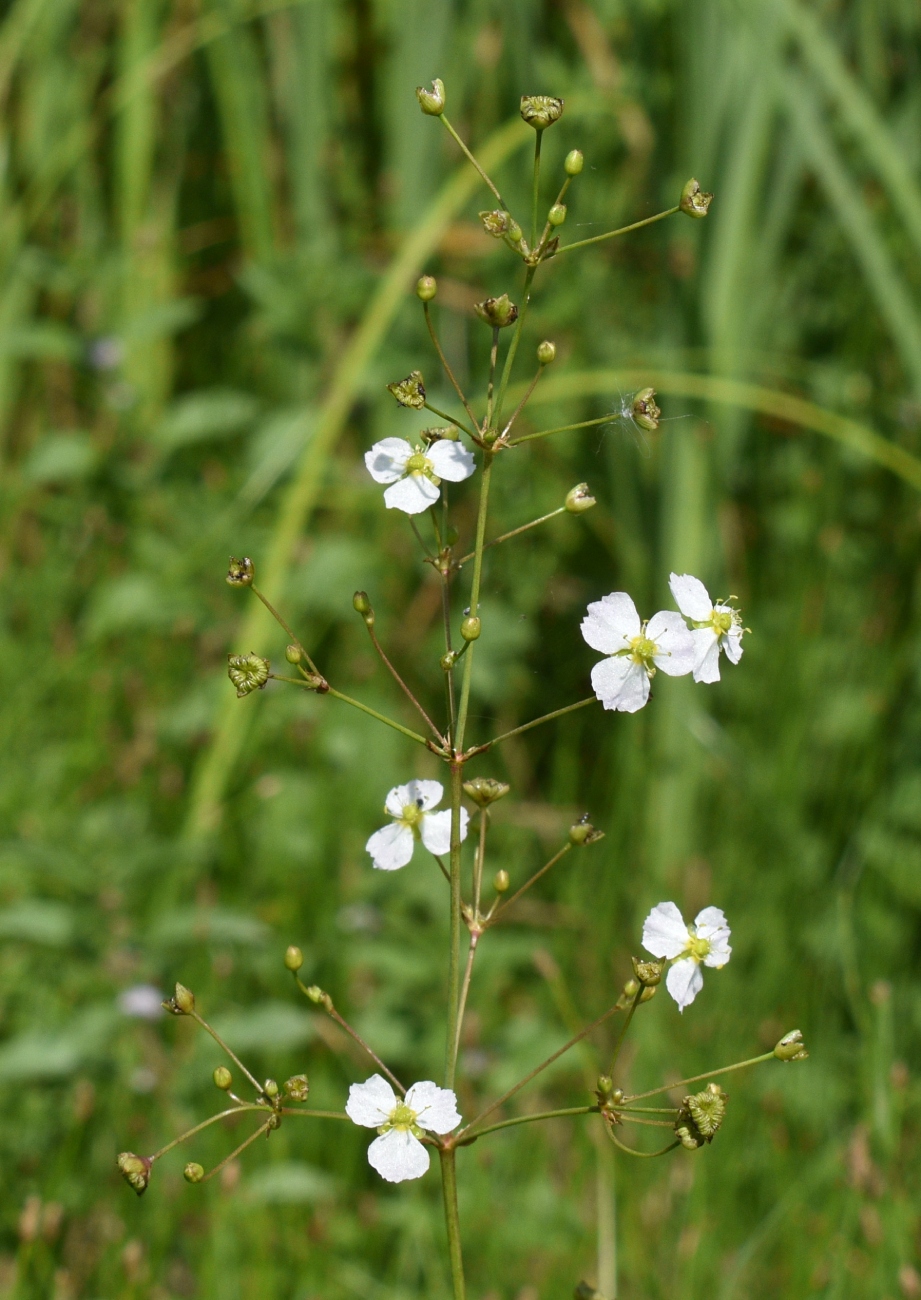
x,y
432,102
497,312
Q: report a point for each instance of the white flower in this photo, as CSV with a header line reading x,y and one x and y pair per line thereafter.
x,y
713,627
636,650
397,1154
415,473
410,807
686,946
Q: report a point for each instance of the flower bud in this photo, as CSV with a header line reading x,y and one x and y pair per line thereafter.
x,y
432,102
791,1047
241,572
248,673
648,973
541,111
497,312
649,992
546,352
362,606
293,654
409,391
557,214
484,790
605,1087
497,223
501,881
182,1003
470,628
222,1078
631,988
515,232
579,499
319,998
694,201
294,958
644,409
193,1173
584,833
135,1170
270,1088
297,1087
574,162
426,288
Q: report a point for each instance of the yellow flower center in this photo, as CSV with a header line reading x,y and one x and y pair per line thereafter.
x,y
419,463
411,815
721,621
402,1118
642,650
697,948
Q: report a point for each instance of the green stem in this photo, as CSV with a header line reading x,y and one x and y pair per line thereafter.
x,y
528,883
493,357
314,1114
545,233
447,369
329,1008
452,1220
451,419
278,619
697,1078
516,339
536,722
233,1056
514,533
624,230
389,722
402,685
263,1128
535,190
563,428
470,158
626,1025
474,596
449,675
530,1119
206,1123
642,1155
451,1044
522,404
479,862
465,989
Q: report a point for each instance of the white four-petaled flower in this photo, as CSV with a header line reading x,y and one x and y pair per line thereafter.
x,y
415,473
397,1154
713,627
410,807
686,947
635,650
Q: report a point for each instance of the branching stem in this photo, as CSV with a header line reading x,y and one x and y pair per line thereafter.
x,y
624,230
402,685
514,533
535,722
698,1078
446,367
528,883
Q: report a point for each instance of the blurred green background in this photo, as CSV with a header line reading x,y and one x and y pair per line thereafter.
x,y
212,215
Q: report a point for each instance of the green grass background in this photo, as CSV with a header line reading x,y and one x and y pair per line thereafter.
x,y
211,216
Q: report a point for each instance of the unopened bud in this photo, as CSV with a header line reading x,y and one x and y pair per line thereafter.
x,y
432,101
515,232
496,223
293,654
647,972
546,352
297,1087
557,214
362,606
241,572
584,833
318,997
644,409
574,162
222,1078
631,988
605,1086
270,1088
193,1173
470,628
694,201
294,958
409,391
182,1003
426,288
135,1170
497,312
484,790
791,1047
448,660
541,111
649,992
579,499
500,881
248,673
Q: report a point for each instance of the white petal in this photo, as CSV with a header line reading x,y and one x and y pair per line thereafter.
x,y
436,1108
675,654
711,918
691,596
371,1103
424,794
397,799
664,931
387,459
391,847
398,1156
411,494
706,655
450,460
684,981
620,684
732,645
711,924
611,623
436,830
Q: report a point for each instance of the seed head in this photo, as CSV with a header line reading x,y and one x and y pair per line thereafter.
x,y
644,409
432,102
497,312
694,201
241,572
297,1087
541,111
248,673
484,790
409,391
579,499
135,1170
791,1047
193,1173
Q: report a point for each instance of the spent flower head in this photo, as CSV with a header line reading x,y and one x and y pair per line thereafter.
x,y
411,807
397,1153
687,947
694,201
409,391
634,649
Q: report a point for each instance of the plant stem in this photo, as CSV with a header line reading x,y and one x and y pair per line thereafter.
x,y
402,685
523,403
636,225
447,369
470,158
356,704
535,191
493,356
516,339
234,1110
530,1119
449,675
536,722
563,428
278,619
474,596
331,1011
642,1155
697,1078
528,883
263,1128
314,1114
514,533
452,1220
233,1056
626,1025
465,989
451,419
479,862
457,776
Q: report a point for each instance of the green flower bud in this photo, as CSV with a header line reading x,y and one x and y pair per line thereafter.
x,y
241,572
501,881
631,988
297,1087
222,1078
432,102
484,790
515,232
574,162
362,606
471,628
541,111
694,201
497,312
791,1047
409,391
605,1087
319,998
426,288
648,993
579,499
557,214
293,654
270,1088
648,973
546,352
496,223
644,409
182,1003
135,1170
294,958
584,833
193,1173
248,673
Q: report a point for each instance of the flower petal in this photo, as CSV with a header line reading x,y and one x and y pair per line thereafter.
x,y
411,494
691,596
732,645
620,684
706,654
664,931
675,653
398,798
391,847
436,1108
684,981
371,1103
424,794
451,460
436,830
711,924
387,459
398,1156
611,623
